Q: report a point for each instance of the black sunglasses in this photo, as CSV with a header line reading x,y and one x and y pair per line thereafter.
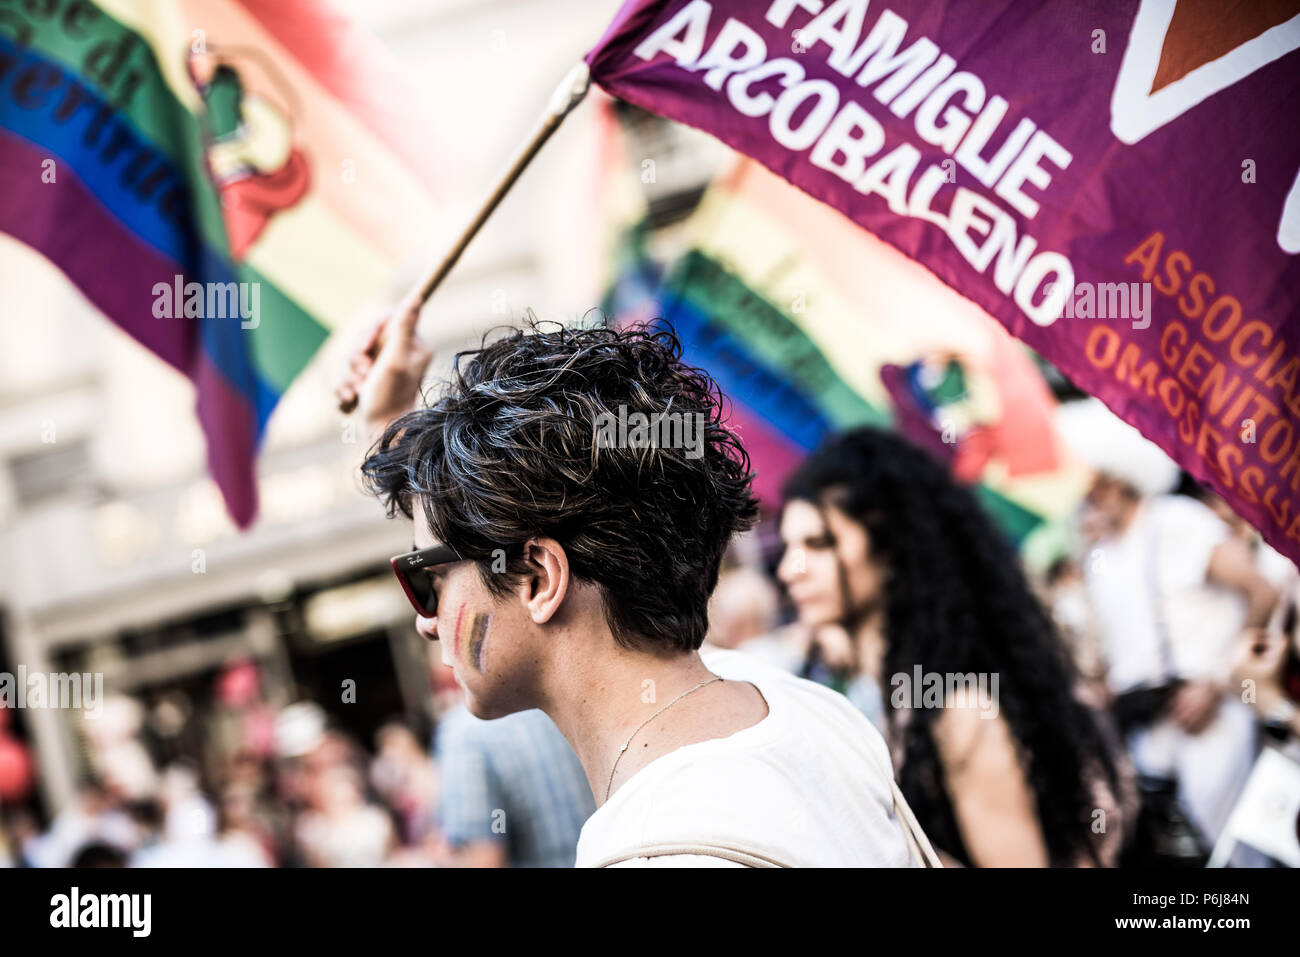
x,y
411,571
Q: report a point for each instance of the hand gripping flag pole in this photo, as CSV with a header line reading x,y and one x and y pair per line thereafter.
x,y
567,95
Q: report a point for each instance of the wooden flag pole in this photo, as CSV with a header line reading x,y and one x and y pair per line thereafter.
x,y
567,95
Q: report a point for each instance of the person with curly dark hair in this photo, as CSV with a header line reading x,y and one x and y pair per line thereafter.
x,y
1001,762
572,493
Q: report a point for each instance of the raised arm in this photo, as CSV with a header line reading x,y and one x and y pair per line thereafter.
x,y
384,369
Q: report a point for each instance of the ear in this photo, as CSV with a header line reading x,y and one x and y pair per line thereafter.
x,y
546,581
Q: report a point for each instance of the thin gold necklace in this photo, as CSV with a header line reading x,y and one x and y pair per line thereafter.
x,y
647,721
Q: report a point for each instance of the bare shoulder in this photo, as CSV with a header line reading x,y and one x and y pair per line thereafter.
x,y
974,739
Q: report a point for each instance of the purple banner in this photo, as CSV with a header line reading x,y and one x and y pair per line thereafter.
x,y
1117,182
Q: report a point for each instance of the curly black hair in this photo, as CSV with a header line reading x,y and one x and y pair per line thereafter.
x,y
957,602
514,450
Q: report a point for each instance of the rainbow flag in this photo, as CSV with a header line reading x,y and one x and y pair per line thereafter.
x,y
226,180
811,326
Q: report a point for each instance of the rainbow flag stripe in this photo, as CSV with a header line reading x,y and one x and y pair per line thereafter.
x,y
812,326
219,141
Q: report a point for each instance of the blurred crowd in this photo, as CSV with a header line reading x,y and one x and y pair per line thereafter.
x,y
312,796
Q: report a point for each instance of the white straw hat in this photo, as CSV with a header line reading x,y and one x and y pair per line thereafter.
x,y
1108,444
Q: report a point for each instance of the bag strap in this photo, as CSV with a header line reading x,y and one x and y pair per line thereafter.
x,y
728,852
918,845
1157,595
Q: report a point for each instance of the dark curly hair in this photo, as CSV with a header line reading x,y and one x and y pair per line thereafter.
x,y
511,452
956,601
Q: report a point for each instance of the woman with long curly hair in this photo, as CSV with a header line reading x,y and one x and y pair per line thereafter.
x,y
881,541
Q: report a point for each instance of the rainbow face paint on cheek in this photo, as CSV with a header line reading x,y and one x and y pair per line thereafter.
x,y
455,634
478,634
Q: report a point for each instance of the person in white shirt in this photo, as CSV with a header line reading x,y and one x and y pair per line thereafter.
x,y
1172,590
573,493
809,784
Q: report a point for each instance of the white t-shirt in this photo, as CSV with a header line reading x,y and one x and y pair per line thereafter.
x,y
808,785
1166,551
1178,535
